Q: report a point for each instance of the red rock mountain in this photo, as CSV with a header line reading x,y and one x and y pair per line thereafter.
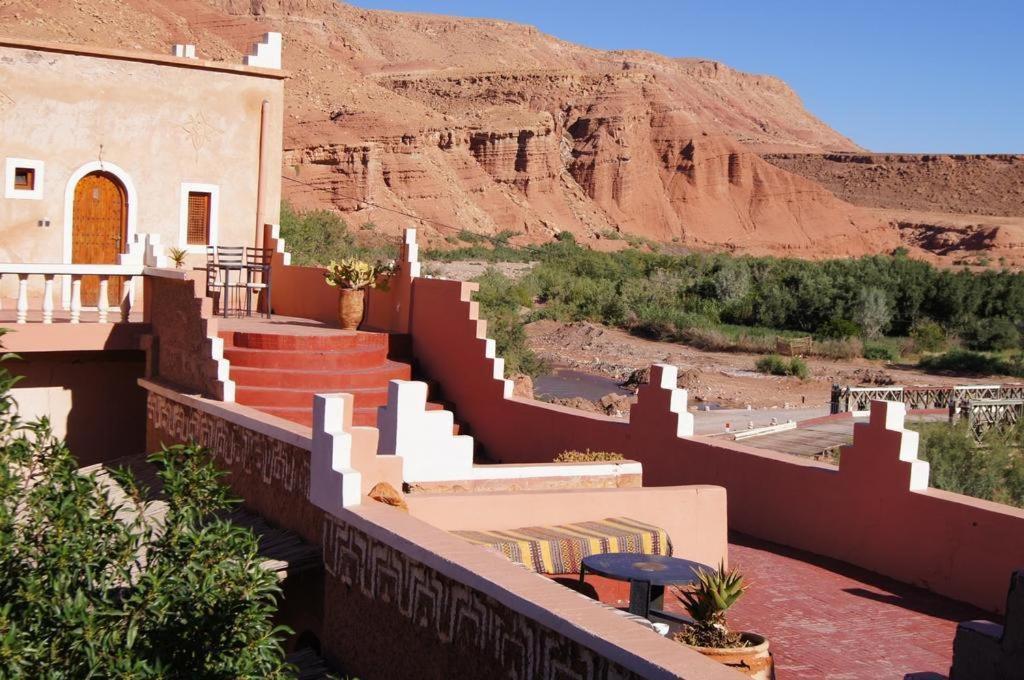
x,y
494,126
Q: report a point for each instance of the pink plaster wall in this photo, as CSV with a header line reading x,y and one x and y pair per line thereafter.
x,y
184,335
864,514
693,516
302,292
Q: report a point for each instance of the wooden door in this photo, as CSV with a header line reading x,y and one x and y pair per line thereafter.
x,y
100,219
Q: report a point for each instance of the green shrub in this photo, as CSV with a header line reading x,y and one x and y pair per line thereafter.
x,y
992,470
314,237
992,335
773,364
75,599
588,456
879,351
798,368
501,300
960,361
928,336
838,328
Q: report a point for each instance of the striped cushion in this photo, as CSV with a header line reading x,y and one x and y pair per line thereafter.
x,y
560,549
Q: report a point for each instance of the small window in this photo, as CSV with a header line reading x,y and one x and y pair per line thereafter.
x,y
198,218
24,179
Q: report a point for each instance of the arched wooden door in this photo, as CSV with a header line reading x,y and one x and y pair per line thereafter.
x,y
98,230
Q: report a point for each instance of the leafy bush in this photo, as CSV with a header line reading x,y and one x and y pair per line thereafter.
x,y
838,328
588,456
75,599
880,351
501,300
992,335
960,361
773,364
993,470
316,237
928,336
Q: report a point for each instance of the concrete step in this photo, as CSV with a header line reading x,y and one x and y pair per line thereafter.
x,y
258,397
340,340
348,359
321,380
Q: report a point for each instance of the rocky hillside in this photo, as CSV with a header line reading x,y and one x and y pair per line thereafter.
x,y
494,126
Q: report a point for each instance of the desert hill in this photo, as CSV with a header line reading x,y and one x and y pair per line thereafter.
x,y
494,126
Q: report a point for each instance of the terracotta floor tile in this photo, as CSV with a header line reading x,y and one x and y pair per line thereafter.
x,y
827,619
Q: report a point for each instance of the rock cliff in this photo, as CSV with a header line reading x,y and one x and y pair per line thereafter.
x,y
493,126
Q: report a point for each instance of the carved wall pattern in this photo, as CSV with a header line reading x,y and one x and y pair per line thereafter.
x,y
272,461
456,613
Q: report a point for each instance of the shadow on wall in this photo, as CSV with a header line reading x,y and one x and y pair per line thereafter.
x,y
93,399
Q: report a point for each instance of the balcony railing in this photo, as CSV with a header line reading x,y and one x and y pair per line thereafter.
x,y
73,272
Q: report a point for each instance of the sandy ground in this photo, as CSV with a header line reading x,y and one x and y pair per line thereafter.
x,y
723,378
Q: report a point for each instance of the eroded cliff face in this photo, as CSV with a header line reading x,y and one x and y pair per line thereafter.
x,y
492,126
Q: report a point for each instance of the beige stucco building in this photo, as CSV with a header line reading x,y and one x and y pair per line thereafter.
x,y
99,146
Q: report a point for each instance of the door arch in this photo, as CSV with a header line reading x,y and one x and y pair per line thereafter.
x,y
99,229
119,176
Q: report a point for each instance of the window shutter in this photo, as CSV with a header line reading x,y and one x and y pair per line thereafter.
x,y
198,218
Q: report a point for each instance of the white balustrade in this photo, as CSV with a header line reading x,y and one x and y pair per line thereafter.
x,y
69,280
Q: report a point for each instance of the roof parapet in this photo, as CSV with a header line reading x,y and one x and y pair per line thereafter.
x,y
266,53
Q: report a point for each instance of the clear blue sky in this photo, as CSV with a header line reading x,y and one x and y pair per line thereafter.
x,y
902,75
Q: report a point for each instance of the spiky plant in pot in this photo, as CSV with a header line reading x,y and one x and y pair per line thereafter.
x,y
712,596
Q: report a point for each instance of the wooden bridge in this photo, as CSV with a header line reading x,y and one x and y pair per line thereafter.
x,y
955,397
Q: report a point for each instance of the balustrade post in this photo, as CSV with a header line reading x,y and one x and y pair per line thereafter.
x,y
76,298
22,298
101,303
48,298
127,295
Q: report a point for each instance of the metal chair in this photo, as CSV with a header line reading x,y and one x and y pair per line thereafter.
x,y
231,259
257,265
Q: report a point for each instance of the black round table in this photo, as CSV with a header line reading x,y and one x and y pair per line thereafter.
x,y
647,575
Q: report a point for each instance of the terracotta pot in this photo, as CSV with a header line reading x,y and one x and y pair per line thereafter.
x,y
754,661
351,305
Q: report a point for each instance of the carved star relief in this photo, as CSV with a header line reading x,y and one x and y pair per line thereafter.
x,y
199,130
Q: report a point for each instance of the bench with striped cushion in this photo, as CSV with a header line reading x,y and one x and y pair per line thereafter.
x,y
560,549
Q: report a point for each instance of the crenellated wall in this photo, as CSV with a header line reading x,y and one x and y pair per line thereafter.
x,y
395,582
183,347
875,511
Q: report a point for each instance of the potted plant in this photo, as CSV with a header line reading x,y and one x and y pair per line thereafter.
x,y
353,276
177,256
707,603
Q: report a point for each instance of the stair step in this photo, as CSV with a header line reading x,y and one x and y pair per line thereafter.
x,y
319,380
307,359
363,416
258,397
341,340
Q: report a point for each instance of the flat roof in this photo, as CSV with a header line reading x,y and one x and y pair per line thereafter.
x,y
144,57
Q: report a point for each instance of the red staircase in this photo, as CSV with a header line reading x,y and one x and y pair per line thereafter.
x,y
279,374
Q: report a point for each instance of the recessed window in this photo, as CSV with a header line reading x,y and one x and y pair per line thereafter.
x,y
198,229
24,179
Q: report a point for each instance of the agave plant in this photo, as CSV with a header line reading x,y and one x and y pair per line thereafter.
x,y
714,593
355,274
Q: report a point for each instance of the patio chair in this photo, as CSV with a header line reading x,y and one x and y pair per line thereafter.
x,y
257,264
231,259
